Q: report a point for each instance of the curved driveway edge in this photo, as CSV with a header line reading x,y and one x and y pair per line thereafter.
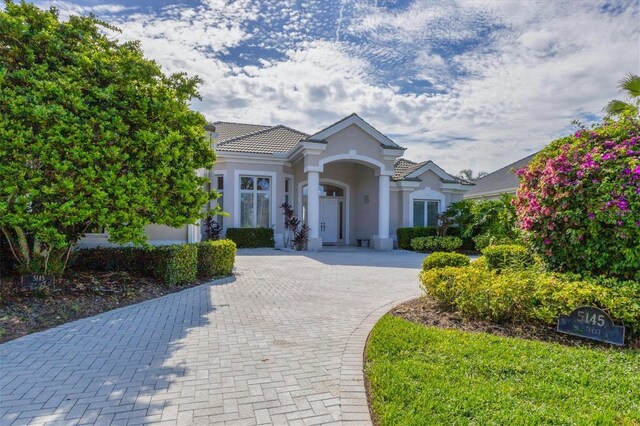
x,y
282,344
353,394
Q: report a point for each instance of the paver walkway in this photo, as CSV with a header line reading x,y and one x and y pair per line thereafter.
x,y
281,344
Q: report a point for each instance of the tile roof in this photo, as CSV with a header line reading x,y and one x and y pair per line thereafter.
x,y
227,131
503,179
268,140
403,168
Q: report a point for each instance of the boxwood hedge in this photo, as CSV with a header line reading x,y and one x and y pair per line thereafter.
x,y
251,237
216,258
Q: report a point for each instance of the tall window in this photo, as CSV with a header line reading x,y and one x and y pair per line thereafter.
x,y
425,213
255,201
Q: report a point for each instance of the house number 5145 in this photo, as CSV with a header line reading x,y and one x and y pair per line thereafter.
x,y
593,319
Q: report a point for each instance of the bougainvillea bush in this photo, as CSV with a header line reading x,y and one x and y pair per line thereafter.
x,y
579,201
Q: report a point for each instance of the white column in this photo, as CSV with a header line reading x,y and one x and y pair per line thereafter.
x,y
193,233
313,203
383,206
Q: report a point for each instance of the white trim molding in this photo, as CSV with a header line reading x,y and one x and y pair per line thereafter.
x,y
354,119
355,157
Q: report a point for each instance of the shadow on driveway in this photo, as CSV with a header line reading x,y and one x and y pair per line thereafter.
x,y
114,366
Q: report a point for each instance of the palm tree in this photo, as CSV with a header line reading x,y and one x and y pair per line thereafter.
x,y
630,85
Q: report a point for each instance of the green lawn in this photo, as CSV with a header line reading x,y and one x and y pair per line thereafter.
x,y
429,376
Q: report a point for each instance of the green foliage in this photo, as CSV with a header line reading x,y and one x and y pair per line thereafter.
x,y
405,235
486,222
93,135
135,260
579,201
424,244
485,240
630,86
440,260
430,376
216,258
528,294
251,237
174,264
480,263
508,256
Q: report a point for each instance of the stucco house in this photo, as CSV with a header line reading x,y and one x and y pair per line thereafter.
x,y
502,181
348,182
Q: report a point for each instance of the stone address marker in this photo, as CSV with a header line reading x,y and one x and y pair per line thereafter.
x,y
36,281
591,323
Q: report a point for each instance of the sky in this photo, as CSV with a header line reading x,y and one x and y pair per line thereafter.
x,y
469,84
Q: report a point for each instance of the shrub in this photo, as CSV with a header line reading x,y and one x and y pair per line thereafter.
x,y
436,243
578,201
175,264
528,295
491,219
135,260
405,235
480,263
508,256
440,260
172,264
251,237
485,240
216,258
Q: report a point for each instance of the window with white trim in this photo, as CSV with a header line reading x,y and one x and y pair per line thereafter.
x,y
255,201
425,212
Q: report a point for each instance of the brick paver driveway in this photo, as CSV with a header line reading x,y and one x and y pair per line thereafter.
x,y
281,344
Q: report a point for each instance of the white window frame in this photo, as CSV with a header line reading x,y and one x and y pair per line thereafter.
x,y
426,194
236,190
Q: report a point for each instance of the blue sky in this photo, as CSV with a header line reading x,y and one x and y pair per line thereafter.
x,y
466,83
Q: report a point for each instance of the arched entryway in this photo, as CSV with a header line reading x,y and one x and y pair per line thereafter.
x,y
370,188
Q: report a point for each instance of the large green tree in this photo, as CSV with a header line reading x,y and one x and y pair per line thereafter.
x,y
92,134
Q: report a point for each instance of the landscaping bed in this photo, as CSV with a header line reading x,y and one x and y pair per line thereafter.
x,y
418,373
78,295
425,311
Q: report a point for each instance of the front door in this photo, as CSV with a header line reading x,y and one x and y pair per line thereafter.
x,y
329,220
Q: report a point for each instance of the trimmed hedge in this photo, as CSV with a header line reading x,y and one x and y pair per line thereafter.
x,y
135,260
508,256
441,259
175,264
172,264
251,237
216,258
436,243
528,295
405,235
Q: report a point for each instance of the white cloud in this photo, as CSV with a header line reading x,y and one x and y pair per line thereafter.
x,y
517,74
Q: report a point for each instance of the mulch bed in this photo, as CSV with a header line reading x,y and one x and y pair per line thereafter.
x,y
78,295
425,311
